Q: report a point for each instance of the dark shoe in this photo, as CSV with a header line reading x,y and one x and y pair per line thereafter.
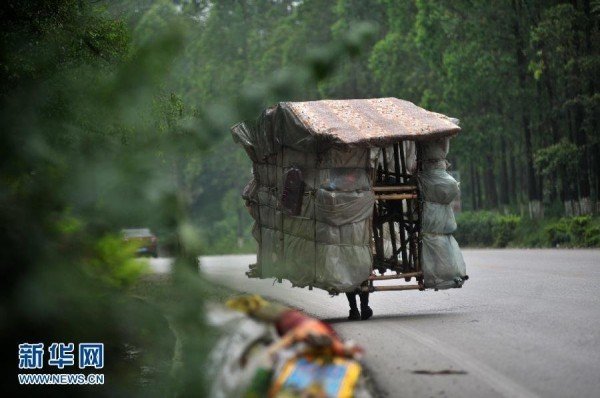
x,y
354,315
367,312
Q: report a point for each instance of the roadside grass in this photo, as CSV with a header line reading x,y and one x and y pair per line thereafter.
x,y
492,229
158,289
156,353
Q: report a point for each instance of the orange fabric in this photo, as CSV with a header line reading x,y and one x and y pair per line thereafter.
x,y
294,326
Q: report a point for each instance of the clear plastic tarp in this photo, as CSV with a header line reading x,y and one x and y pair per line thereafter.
x,y
442,262
325,241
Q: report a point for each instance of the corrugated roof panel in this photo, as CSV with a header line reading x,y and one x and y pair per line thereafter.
x,y
371,122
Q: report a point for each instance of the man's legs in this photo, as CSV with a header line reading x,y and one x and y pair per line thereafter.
x,y
354,314
365,310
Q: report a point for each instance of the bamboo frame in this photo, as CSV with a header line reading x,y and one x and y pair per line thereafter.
x,y
395,188
397,204
397,196
396,276
390,288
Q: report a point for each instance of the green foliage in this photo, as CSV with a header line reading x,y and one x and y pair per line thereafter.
x,y
107,124
83,155
489,229
504,229
558,158
475,228
113,261
486,228
558,233
455,58
583,231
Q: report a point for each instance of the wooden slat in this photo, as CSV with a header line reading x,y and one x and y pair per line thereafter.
x,y
396,196
391,288
394,276
395,188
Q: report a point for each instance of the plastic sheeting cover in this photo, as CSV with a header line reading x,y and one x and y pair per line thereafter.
x,y
442,262
338,208
438,218
326,241
438,186
344,264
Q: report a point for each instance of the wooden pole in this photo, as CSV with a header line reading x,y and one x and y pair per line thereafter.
x,y
396,196
391,228
396,188
395,276
392,288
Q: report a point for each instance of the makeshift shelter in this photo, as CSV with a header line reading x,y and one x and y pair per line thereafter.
x,y
343,188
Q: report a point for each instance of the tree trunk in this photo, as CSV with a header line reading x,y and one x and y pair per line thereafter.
x,y
571,203
472,187
504,185
583,180
477,189
521,63
596,152
594,166
557,179
513,180
489,182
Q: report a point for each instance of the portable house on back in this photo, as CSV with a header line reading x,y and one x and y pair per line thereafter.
x,y
349,192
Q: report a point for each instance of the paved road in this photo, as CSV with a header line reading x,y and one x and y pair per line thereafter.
x,y
526,324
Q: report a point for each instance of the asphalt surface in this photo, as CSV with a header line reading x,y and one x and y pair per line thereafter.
x,y
526,324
